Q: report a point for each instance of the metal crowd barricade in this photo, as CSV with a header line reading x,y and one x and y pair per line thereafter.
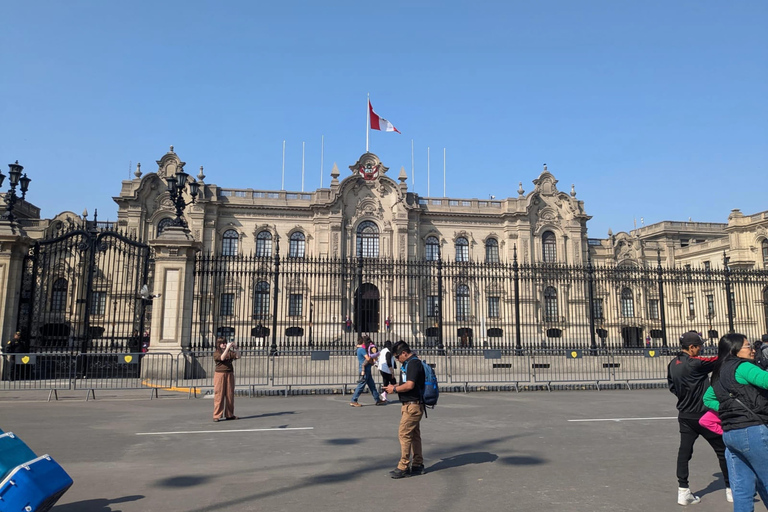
x,y
484,366
36,372
436,358
314,368
637,365
196,369
569,365
123,371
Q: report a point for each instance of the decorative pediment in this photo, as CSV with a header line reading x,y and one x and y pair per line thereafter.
x,y
369,167
169,164
545,184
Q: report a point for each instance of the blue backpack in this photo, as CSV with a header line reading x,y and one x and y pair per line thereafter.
x,y
431,391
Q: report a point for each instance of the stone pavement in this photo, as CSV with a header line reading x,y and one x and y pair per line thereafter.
x,y
483,451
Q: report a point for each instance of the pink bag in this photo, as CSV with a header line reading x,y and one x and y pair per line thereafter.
x,y
711,421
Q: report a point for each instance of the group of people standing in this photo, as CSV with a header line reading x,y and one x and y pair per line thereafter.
x,y
729,409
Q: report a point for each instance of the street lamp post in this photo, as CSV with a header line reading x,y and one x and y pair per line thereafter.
x,y
176,186
15,179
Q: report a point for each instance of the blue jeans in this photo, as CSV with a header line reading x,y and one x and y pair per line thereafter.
x,y
367,378
748,465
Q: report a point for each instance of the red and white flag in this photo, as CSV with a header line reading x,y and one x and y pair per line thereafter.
x,y
379,123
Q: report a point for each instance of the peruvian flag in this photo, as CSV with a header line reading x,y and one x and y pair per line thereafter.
x,y
379,123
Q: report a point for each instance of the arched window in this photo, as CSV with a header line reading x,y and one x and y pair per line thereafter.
x,y
264,244
462,302
462,249
765,253
432,248
549,247
368,239
59,295
296,249
261,300
164,223
627,303
491,250
550,304
229,243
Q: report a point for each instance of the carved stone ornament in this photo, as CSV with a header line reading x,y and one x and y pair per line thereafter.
x,y
169,164
369,167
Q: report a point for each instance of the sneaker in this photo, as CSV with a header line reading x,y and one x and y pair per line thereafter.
x,y
355,404
728,495
416,470
381,402
383,396
399,473
686,497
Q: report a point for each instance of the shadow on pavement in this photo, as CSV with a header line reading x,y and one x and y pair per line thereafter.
x,y
522,460
97,505
183,481
343,441
462,460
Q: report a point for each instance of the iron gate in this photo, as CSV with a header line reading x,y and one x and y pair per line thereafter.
x,y
80,291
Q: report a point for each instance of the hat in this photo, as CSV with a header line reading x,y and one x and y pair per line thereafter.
x,y
691,338
765,338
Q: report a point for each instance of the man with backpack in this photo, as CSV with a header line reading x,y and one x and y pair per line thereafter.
x,y
410,390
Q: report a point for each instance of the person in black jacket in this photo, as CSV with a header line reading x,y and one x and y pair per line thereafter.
x,y
688,379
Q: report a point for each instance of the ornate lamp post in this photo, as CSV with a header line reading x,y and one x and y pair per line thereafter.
x,y
15,178
176,186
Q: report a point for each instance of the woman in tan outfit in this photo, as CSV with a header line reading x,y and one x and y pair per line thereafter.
x,y
224,380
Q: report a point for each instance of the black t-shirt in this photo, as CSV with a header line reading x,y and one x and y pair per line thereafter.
x,y
411,370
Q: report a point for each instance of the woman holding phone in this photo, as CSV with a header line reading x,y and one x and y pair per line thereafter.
x,y
224,380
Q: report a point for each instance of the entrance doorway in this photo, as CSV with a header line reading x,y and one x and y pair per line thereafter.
x,y
765,307
632,336
368,309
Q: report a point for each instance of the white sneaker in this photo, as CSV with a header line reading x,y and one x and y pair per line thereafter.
x,y
728,495
686,497
383,396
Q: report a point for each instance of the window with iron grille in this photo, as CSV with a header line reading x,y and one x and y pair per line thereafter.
x,y
229,243
493,307
295,303
264,244
707,266
491,250
432,305
462,249
227,306
710,306
431,248
549,247
653,309
765,253
550,304
368,240
98,303
261,300
296,249
691,307
164,223
462,302
59,295
597,307
627,303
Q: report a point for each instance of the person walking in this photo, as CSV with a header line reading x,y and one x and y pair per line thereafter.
x,y
224,380
364,363
688,379
386,367
739,394
410,391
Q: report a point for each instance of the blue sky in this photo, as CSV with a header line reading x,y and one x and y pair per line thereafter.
x,y
653,109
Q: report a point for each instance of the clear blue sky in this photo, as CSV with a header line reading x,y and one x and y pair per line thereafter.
x,y
654,109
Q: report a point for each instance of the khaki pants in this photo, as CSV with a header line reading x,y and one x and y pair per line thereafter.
x,y
410,435
223,395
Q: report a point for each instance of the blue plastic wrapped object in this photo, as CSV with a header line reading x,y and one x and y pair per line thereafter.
x,y
35,486
13,452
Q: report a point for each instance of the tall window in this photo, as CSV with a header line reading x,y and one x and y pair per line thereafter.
x,y
264,244
493,307
550,304
491,250
164,223
368,239
707,266
653,309
261,300
462,302
98,303
691,307
597,307
431,248
765,253
462,249
627,303
296,249
549,248
59,295
710,306
432,305
229,243
227,307
295,303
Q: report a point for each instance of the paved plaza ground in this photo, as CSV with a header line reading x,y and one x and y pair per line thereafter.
x,y
483,451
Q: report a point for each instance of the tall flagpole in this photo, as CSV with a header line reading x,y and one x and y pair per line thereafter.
x,y
282,185
427,171
322,149
302,166
367,121
444,172
413,171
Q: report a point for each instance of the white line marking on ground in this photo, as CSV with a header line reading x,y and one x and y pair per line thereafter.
x,y
629,419
220,431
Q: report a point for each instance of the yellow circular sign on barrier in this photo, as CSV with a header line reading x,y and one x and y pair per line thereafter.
x,y
652,353
128,359
25,359
574,354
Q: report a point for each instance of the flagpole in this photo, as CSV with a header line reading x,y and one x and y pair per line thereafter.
x,y
322,149
413,171
282,185
427,171
302,166
444,173
367,121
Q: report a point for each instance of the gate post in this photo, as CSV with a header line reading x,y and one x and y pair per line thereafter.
x,y
14,245
175,250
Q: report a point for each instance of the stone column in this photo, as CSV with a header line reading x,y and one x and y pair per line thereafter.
x,y
14,245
